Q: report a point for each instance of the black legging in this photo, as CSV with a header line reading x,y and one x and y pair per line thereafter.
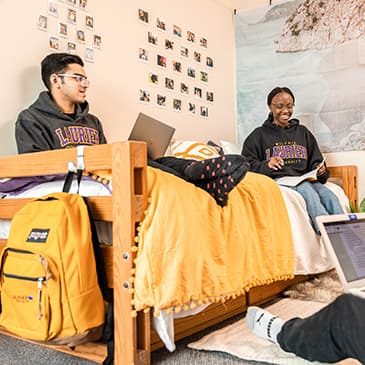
x,y
334,333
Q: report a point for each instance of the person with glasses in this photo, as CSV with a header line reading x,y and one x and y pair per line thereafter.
x,y
281,146
60,117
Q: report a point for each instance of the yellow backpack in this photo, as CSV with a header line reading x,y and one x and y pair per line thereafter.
x,y
49,284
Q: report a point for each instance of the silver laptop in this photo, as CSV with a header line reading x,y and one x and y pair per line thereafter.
x,y
344,239
156,134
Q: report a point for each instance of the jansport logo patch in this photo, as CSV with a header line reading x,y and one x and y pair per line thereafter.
x,y
38,235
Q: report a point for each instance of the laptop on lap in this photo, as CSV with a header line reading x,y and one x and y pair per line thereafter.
x,y
344,239
156,134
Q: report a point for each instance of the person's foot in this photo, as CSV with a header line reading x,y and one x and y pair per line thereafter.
x,y
263,323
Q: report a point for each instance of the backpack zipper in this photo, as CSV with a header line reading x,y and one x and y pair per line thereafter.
x,y
39,280
39,287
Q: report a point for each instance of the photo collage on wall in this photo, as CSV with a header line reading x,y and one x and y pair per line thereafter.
x,y
179,67
72,28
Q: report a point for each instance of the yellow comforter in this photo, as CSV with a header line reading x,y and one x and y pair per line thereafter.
x,y
192,250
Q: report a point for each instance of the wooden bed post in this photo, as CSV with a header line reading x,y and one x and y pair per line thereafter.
x,y
129,185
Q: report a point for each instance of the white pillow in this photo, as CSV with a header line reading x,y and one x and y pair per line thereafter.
x,y
230,148
194,150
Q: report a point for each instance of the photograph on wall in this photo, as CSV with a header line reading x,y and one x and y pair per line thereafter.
x,y
62,29
161,24
190,72
52,8
153,78
177,66
54,43
169,83
161,61
184,88
169,45
203,76
71,15
190,36
184,52
97,41
203,42
71,47
42,23
204,111
197,56
143,16
89,22
209,61
89,54
143,54
152,39
161,100
210,96
83,4
80,35
177,104
191,108
316,57
198,92
176,31
144,96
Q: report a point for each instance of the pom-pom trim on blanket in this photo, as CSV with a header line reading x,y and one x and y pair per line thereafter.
x,y
155,242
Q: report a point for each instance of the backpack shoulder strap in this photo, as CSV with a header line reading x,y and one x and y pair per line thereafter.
x,y
100,267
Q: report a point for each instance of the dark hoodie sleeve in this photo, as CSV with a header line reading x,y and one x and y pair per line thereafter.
x,y
102,138
29,136
252,150
315,157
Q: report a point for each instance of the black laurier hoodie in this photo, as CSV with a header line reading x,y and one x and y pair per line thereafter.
x,y
295,144
44,127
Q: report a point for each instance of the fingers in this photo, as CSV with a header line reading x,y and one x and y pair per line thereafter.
x,y
276,163
321,170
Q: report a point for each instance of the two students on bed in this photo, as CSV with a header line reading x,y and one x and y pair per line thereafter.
x,y
283,147
60,117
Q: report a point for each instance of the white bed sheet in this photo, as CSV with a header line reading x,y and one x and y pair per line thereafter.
x,y
310,255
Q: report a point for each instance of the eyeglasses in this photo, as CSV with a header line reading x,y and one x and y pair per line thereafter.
x,y
281,106
81,79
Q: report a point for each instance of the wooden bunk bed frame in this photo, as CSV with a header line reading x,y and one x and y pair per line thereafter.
x,y
134,336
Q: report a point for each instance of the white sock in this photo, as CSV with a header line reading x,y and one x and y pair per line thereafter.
x,y
263,323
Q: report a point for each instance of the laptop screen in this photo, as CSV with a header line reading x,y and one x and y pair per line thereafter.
x,y
348,241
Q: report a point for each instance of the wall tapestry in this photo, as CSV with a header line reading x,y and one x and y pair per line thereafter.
x,y
317,49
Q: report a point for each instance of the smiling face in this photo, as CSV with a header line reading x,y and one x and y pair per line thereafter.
x,y
281,107
72,88
68,90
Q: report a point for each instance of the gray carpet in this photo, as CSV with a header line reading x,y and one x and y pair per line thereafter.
x,y
16,352
185,356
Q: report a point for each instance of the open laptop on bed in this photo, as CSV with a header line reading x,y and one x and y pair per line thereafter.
x,y
344,238
156,134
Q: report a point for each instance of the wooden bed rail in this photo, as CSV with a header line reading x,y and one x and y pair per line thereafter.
x,y
125,209
347,179
127,162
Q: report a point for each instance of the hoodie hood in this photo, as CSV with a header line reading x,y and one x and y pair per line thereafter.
x,y
269,123
45,105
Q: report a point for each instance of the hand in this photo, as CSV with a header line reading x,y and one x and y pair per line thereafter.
x,y
321,168
276,163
